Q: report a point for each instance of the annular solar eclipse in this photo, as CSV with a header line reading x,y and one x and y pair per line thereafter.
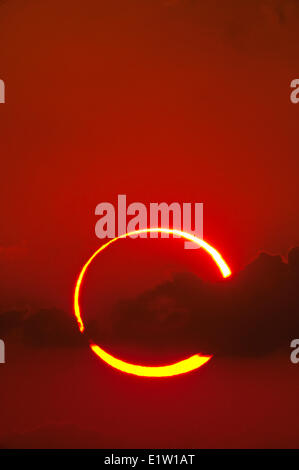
x,y
181,367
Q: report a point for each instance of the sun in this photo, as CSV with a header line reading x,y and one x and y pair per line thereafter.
x,y
181,367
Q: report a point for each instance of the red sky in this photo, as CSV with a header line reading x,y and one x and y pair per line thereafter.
x,y
162,101
167,100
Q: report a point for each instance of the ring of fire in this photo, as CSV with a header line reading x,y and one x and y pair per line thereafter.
x,y
181,367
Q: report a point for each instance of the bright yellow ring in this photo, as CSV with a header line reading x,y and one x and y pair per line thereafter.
x,y
193,362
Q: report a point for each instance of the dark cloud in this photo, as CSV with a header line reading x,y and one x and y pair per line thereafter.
x,y
44,328
10,321
253,313
52,327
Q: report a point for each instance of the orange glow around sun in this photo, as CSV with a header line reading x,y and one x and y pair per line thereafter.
x,y
181,367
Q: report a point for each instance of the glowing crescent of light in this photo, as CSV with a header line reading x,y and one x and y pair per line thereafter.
x,y
181,367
